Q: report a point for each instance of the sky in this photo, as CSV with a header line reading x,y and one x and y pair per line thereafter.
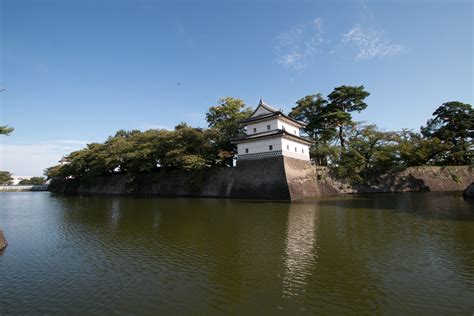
x,y
75,72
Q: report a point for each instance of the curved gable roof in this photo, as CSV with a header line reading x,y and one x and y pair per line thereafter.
x,y
262,109
265,111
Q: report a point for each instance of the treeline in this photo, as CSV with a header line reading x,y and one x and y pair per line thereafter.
x,y
362,153
184,148
352,150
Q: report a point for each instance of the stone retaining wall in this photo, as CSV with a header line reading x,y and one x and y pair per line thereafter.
x,y
275,178
21,188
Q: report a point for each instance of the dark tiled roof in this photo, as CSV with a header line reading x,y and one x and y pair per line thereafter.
x,y
271,133
273,112
270,115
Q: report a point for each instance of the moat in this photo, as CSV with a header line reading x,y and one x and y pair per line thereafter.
x,y
386,253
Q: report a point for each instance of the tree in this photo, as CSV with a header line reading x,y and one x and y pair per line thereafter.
x,y
342,101
33,181
415,150
6,130
453,125
313,110
5,178
369,154
224,118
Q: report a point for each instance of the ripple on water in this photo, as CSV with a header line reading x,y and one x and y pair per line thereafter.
x,y
362,254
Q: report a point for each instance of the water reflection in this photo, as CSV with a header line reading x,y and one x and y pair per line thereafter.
x,y
300,247
335,255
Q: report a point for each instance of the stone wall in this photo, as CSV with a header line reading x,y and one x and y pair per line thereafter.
x,y
262,179
21,188
425,178
275,178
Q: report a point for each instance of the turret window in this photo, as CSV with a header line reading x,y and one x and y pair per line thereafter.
x,y
302,151
268,127
270,147
246,150
287,147
296,149
254,129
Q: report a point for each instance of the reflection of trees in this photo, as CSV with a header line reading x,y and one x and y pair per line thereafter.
x,y
333,255
212,253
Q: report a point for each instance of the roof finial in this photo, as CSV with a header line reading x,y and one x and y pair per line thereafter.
x,y
260,102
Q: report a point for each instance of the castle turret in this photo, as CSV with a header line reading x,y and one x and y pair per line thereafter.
x,y
270,133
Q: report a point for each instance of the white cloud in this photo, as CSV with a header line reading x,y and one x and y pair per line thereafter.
x,y
28,159
297,47
371,43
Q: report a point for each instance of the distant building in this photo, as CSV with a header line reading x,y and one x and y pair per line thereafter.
x,y
63,161
16,179
271,133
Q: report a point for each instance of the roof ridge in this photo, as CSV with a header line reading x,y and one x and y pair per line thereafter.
x,y
267,106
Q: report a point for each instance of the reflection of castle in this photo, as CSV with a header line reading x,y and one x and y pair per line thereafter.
x,y
301,247
271,133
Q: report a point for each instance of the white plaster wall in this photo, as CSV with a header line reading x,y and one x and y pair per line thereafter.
x,y
260,146
289,128
288,148
262,126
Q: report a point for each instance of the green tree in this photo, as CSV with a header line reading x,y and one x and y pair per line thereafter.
x,y
313,110
5,178
369,154
453,125
6,130
415,150
224,118
342,101
33,181
56,172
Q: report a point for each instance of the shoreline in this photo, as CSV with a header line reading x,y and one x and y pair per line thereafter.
x,y
275,179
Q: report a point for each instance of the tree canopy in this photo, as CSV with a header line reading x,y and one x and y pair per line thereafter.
x,y
223,120
5,178
33,181
184,148
354,151
6,130
453,126
361,152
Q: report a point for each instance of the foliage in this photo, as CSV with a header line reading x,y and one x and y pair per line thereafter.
x,y
6,130
327,119
313,110
365,152
5,178
342,101
453,126
223,120
184,148
33,181
370,153
359,153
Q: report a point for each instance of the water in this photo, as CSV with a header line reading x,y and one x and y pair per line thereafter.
x,y
372,254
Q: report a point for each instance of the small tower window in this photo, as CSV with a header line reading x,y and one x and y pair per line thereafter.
x,y
254,129
302,151
270,147
295,131
246,150
268,127
287,147
296,149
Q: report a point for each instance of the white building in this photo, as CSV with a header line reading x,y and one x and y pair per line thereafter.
x,y
271,133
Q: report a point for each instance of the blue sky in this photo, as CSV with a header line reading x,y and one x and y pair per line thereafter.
x,y
77,71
